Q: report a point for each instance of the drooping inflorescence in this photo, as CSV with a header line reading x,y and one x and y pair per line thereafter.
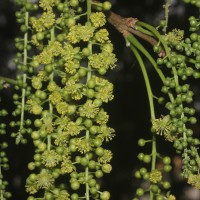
x,y
65,51
178,62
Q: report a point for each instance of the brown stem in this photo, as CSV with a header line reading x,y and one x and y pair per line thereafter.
x,y
127,25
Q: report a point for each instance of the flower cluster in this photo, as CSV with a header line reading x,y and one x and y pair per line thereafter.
x,y
103,60
176,127
70,53
98,19
194,180
155,176
79,33
175,36
48,4
179,56
45,21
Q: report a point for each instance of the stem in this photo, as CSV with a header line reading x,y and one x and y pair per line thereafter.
x,y
87,188
152,110
157,34
89,7
50,105
139,28
166,6
24,77
146,79
140,47
8,80
89,74
153,161
127,25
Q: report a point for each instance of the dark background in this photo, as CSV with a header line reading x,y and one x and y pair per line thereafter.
x,y
129,111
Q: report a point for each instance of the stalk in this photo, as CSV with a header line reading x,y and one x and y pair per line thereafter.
x,y
24,77
8,80
166,48
50,105
141,48
89,74
151,105
157,34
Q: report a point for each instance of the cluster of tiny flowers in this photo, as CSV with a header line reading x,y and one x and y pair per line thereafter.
x,y
66,91
175,126
175,36
194,180
182,60
179,55
155,176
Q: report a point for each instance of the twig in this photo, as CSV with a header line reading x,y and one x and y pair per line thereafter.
x,y
127,26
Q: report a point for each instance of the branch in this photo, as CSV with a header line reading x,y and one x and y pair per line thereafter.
x,y
128,26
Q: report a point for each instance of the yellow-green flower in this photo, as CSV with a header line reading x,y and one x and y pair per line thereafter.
x,y
171,197
61,107
52,86
194,180
72,128
102,117
31,187
71,67
43,75
102,60
62,122
107,133
67,166
47,4
89,109
106,157
37,24
44,180
74,89
62,195
50,158
79,33
55,97
83,145
47,123
102,36
36,109
48,19
45,21
175,36
155,176
68,52
36,82
105,93
98,19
